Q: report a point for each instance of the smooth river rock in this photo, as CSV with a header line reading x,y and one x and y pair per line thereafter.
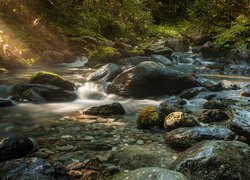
x,y
149,79
183,138
215,160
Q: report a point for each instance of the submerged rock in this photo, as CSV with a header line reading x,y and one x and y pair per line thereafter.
x,y
183,138
179,119
219,159
107,109
150,173
106,73
15,147
38,93
47,78
213,115
245,93
240,121
5,103
149,117
173,104
190,93
149,79
216,104
31,168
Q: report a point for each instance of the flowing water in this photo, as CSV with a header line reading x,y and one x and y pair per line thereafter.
x,y
89,94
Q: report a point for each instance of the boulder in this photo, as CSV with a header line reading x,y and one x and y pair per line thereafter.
x,y
216,104
149,117
190,93
105,74
6,103
240,121
179,119
31,168
179,45
245,93
15,147
106,110
47,78
150,173
183,138
210,160
213,115
209,84
38,93
150,79
208,50
173,104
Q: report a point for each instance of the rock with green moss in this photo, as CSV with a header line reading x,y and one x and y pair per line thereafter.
x,y
104,54
179,119
106,110
47,78
150,173
38,93
149,117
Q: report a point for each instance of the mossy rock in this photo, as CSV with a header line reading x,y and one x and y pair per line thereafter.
x,y
149,117
104,54
179,119
48,78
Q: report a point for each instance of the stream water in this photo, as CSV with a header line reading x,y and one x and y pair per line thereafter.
x,y
89,94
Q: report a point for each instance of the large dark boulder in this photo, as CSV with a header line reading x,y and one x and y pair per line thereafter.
x,y
215,160
47,78
183,138
149,79
31,168
38,93
240,121
15,147
105,74
213,115
208,50
107,109
179,45
150,173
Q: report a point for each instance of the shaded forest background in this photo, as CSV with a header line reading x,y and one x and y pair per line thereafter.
x,y
224,22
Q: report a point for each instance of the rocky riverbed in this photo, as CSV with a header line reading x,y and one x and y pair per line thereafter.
x,y
178,117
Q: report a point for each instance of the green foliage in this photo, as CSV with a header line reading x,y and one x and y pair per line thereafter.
x,y
103,53
237,35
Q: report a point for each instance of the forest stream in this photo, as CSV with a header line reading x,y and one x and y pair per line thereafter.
x,y
69,138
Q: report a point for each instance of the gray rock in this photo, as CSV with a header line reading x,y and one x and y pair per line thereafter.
x,y
31,168
149,79
190,93
183,138
240,121
179,45
107,109
38,93
105,74
15,147
215,160
209,84
213,115
245,93
150,173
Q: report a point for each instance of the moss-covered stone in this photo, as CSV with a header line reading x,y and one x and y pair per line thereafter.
x,y
48,78
104,54
179,119
148,118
